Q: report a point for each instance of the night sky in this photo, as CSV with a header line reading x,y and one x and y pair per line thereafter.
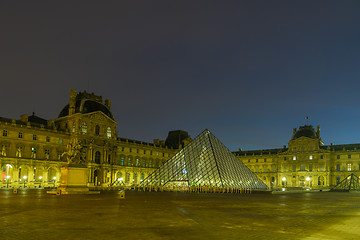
x,y
249,71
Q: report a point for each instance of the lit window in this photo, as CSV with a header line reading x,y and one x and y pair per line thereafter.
x,y
122,161
84,128
349,166
73,127
127,177
150,163
137,162
294,157
108,133
60,140
144,163
129,161
310,157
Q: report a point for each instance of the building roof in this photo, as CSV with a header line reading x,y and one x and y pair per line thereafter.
x,y
305,131
87,106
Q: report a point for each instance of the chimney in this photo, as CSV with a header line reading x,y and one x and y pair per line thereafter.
x,y
318,130
24,117
108,103
72,101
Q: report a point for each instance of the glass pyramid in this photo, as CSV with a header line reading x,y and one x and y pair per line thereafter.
x,y
204,162
350,183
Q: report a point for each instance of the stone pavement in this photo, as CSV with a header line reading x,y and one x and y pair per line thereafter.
x,y
32,214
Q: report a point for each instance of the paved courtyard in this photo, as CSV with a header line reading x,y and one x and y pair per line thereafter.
x,y
32,214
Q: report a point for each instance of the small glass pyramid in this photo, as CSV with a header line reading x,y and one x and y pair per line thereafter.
x,y
204,162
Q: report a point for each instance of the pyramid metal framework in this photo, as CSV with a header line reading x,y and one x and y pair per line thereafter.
x,y
350,183
204,162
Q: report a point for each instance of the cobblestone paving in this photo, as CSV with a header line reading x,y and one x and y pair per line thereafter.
x,y
33,214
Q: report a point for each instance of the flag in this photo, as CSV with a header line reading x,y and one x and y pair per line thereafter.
x,y
306,118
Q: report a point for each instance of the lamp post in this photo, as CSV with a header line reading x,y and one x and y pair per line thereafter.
x,y
25,177
40,178
308,180
7,181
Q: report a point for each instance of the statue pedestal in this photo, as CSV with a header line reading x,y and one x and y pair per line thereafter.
x,y
74,180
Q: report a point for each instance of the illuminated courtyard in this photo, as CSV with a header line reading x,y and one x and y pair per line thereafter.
x,y
32,214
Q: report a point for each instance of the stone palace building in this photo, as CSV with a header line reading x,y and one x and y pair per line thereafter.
x,y
305,163
32,149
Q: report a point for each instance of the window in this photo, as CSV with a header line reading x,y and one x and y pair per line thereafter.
x,y
294,157
5,132
47,139
122,149
129,161
150,163
137,162
109,158
108,132
60,140
135,177
264,159
294,168
349,156
144,163
321,157
130,150
73,127
248,160
150,152
338,156
137,150
284,168
321,167
256,168
310,167
310,157
144,151
284,158
97,157
122,161
34,137
265,168
142,176
349,166
97,130
337,179
47,153
127,177
302,167
33,152
20,134
84,128
273,168
257,160
337,167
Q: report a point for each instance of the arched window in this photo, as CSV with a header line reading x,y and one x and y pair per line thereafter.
x,y
127,177
142,176
122,161
150,163
108,132
137,162
144,163
129,161
84,128
97,157
97,130
135,177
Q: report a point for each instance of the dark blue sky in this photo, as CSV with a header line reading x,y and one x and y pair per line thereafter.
x,y
249,71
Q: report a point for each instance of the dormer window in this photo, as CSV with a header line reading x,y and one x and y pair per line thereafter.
x,y
97,130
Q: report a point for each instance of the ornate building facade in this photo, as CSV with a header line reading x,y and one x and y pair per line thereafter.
x,y
305,163
33,149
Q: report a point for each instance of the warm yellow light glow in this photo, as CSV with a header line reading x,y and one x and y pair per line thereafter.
x,y
40,177
284,179
7,177
54,178
25,177
307,179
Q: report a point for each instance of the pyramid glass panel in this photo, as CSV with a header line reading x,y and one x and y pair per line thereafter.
x,y
205,162
350,183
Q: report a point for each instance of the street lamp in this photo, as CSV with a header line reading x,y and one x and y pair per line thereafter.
x,y
40,178
25,177
7,181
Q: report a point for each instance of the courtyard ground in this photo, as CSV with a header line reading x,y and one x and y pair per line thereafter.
x,y
33,214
